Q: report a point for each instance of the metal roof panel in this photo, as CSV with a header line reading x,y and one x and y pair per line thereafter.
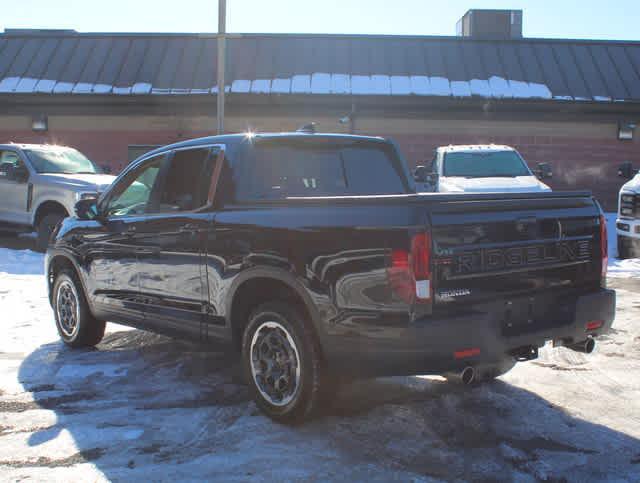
x,y
63,62
167,70
625,69
609,72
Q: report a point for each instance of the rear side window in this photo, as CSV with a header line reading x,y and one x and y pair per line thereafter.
x,y
277,171
187,180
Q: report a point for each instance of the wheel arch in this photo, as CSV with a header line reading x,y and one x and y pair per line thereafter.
x,y
260,285
47,207
57,262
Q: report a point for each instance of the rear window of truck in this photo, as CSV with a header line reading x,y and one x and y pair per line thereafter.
x,y
280,170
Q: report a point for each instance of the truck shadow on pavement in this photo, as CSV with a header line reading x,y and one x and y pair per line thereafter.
x,y
145,406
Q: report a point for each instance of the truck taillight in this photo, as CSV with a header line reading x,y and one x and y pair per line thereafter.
x,y
421,261
604,251
410,272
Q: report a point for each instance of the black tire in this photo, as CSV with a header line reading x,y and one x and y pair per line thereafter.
x,y
44,229
303,397
87,331
623,250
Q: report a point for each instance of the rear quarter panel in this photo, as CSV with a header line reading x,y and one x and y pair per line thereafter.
x,y
335,254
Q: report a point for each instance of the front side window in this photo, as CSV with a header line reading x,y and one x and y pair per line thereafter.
x,y
61,160
9,161
487,164
280,170
132,195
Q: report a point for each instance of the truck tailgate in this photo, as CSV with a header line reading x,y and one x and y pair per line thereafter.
x,y
501,246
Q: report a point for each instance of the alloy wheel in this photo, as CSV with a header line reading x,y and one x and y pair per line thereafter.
x,y
67,308
275,363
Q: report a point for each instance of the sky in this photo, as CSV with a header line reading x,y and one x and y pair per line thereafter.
x,y
584,19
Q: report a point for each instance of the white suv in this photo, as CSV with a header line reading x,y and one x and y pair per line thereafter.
x,y
40,185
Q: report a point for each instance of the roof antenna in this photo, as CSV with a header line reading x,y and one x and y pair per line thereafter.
x,y
307,128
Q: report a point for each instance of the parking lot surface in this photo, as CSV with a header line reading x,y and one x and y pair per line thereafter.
x,y
145,407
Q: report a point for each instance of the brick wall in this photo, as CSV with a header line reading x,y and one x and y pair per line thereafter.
x,y
583,155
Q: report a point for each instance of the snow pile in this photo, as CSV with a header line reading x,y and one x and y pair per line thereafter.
x,y
624,268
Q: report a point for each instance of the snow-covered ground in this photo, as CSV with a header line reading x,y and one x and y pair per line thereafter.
x,y
146,407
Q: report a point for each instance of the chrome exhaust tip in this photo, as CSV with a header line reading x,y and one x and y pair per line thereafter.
x,y
468,375
587,346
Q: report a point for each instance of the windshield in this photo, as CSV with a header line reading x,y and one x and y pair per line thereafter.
x,y
485,164
61,161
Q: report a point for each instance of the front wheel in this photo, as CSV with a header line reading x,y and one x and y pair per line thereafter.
x,y
76,325
282,363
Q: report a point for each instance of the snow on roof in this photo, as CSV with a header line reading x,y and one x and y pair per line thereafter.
x,y
49,147
470,148
265,64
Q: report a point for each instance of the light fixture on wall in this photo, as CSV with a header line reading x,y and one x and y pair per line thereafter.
x,y
625,131
40,123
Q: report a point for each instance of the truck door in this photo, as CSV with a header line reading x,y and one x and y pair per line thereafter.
x,y
14,189
171,243
114,240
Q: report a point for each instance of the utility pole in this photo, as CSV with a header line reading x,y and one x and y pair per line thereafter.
x,y
222,31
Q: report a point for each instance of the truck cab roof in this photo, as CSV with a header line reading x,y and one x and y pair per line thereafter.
x,y
239,138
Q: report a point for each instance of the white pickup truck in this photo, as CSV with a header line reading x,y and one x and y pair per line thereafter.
x,y
40,185
480,169
628,220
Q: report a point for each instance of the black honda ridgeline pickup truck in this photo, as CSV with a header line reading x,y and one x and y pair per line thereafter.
x,y
311,255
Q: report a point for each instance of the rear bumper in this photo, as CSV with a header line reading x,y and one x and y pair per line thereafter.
x,y
628,244
429,345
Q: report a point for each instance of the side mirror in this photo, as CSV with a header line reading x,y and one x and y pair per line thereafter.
x,y
87,209
626,170
544,171
421,174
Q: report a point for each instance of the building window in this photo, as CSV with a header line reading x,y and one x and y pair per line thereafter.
x,y
134,151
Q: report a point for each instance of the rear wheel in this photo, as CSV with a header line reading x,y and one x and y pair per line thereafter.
x,y
282,363
44,229
76,325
